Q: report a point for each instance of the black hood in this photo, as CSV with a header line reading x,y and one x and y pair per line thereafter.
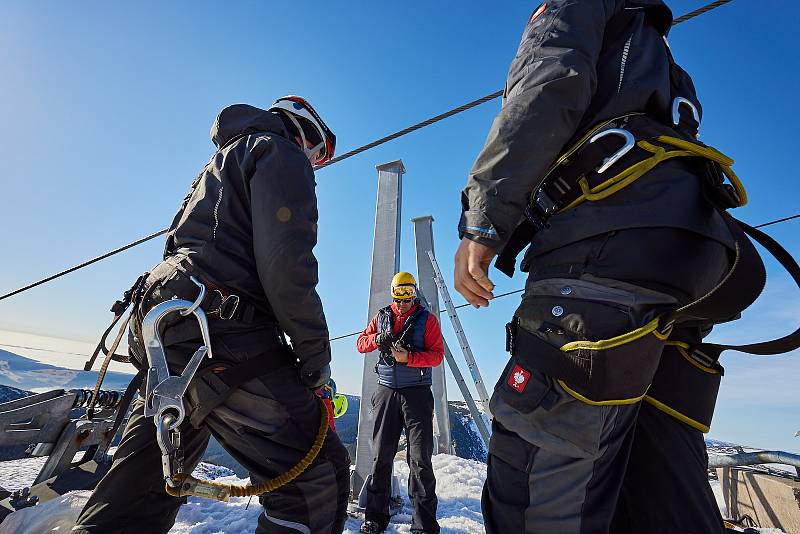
x,y
240,119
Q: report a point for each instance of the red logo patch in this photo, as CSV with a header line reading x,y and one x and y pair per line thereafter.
x,y
519,378
538,12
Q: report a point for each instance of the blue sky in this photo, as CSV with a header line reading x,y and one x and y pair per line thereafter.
x,y
105,110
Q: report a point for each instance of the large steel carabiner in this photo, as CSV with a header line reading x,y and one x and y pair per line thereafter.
x,y
164,393
630,142
677,102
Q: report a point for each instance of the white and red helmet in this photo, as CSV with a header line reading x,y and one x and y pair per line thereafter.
x,y
311,127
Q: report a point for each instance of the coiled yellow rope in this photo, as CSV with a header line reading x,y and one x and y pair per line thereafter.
x,y
209,489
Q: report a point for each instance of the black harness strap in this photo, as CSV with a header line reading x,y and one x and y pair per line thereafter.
x,y
736,292
410,323
118,309
765,348
125,402
219,380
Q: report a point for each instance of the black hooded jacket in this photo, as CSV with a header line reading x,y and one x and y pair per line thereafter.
x,y
249,223
581,62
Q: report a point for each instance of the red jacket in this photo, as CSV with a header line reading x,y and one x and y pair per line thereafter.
x,y
434,345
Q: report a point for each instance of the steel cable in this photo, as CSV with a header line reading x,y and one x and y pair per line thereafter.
x,y
344,156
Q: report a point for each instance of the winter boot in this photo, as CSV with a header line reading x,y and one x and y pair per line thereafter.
x,y
370,527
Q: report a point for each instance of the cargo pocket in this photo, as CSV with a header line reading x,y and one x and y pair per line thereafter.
x,y
522,387
601,343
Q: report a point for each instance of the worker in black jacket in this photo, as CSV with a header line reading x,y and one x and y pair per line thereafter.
x,y
245,230
584,164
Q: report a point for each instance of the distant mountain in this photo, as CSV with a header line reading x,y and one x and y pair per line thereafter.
x,y
7,393
26,374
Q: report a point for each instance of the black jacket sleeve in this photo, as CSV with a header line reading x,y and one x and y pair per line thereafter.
x,y
284,215
550,84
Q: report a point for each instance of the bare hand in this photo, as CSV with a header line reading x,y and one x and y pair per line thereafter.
x,y
400,354
471,272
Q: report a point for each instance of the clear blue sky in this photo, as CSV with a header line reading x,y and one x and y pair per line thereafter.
x,y
105,110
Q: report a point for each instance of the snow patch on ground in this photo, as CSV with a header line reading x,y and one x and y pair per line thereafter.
x,y
20,473
459,484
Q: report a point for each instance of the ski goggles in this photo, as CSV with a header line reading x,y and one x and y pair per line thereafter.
x,y
404,293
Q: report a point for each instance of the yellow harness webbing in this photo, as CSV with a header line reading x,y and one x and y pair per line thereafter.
x,y
660,154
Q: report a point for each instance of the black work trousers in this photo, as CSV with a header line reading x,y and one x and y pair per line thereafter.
x,y
394,410
267,425
561,463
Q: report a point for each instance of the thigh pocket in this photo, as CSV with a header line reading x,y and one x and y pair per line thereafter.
x,y
602,344
522,387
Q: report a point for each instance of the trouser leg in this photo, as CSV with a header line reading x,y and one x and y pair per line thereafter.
x,y
557,469
540,439
666,487
130,497
388,417
417,403
268,425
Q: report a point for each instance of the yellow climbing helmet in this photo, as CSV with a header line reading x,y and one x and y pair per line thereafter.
x,y
404,286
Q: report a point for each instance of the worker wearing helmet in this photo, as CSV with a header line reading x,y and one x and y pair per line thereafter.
x,y
409,339
246,230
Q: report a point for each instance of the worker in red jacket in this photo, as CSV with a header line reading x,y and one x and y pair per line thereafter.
x,y
410,343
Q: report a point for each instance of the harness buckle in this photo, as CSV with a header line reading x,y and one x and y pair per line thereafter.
x,y
228,306
538,221
630,142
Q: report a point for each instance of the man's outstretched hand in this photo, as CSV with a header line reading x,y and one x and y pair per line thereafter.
x,y
471,272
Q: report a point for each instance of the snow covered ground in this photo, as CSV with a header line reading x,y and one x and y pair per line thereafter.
x,y
459,484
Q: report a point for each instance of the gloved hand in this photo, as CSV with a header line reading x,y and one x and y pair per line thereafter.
x,y
384,342
316,379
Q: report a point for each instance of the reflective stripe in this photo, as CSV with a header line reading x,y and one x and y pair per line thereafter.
x,y
484,229
299,527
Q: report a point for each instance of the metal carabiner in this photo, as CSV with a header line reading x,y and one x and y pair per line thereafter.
x,y
676,110
198,300
630,142
163,392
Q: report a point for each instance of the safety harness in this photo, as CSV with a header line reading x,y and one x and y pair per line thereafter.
x,y
608,158
201,387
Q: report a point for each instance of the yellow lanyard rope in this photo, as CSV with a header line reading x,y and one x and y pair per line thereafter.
x,y
210,489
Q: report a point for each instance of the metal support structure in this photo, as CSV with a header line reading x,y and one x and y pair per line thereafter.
x,y
462,384
462,338
385,263
754,458
423,239
477,416
43,422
